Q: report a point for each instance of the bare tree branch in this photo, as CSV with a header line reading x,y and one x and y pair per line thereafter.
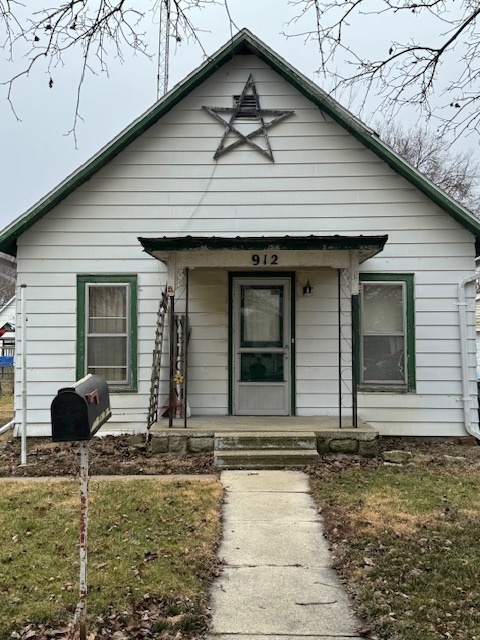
x,y
411,72
99,29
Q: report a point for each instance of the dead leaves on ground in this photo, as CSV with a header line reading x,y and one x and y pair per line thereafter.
x,y
148,619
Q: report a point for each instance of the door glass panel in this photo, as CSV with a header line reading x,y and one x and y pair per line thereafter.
x,y
262,367
261,316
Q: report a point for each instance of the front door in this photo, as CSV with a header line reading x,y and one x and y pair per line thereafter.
x,y
262,344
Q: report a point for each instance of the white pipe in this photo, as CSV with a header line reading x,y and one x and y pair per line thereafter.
x,y
466,396
24,375
7,426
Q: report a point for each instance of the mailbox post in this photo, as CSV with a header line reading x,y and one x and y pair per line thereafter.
x,y
77,413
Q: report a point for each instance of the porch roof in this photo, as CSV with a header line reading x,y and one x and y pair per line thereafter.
x,y
366,246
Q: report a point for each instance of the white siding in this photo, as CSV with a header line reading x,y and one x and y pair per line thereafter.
x,y
323,181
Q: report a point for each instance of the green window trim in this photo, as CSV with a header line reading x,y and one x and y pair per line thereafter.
x,y
131,280
410,384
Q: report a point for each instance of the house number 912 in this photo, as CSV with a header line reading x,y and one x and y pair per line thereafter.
x,y
264,259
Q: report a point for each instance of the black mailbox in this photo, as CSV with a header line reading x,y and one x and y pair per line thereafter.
x,y
79,411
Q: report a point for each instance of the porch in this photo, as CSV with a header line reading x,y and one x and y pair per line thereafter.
x,y
264,343
264,441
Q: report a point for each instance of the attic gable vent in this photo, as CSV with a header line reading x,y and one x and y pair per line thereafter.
x,y
247,108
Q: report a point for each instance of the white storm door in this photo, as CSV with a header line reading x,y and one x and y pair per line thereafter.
x,y
261,342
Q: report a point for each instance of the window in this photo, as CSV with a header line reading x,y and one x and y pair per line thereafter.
x,y
107,329
387,335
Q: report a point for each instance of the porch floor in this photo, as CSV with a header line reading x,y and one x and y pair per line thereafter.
x,y
278,424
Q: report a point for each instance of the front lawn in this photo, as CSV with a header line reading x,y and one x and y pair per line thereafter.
x,y
151,558
407,541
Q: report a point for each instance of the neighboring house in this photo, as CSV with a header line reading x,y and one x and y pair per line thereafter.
x,y
7,332
318,272
7,313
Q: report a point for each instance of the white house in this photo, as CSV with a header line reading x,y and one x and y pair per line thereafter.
x,y
315,272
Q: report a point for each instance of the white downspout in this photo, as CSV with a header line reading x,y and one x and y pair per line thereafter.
x,y
466,397
23,433
7,426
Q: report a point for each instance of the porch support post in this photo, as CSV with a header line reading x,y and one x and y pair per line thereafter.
x,y
355,311
171,387
348,287
355,289
171,264
185,350
339,322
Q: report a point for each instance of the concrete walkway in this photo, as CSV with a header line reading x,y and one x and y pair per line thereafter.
x,y
277,581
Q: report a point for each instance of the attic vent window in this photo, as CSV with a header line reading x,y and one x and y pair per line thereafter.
x,y
247,107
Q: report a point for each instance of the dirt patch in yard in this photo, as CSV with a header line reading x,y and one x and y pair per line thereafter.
x,y
130,455
425,453
109,455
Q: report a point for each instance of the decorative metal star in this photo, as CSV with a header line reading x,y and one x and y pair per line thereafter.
x,y
247,106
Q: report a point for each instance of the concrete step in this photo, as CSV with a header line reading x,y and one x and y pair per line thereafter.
x,y
264,459
264,440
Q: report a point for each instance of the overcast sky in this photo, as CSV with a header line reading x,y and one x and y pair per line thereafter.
x,y
36,154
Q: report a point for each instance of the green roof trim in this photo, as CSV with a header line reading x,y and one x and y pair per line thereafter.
x,y
243,42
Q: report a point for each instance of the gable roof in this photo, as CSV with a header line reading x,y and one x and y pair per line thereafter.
x,y
243,42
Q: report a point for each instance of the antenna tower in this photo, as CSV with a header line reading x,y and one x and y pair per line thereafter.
x,y
163,48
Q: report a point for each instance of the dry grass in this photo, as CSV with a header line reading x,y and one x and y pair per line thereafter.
x,y
406,541
147,539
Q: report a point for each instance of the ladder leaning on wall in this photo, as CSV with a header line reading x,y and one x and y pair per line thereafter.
x,y
175,406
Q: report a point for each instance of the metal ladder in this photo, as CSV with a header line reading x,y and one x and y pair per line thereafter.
x,y
157,359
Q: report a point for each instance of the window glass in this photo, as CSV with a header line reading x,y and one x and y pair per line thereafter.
x,y
262,367
107,309
383,358
107,339
383,348
107,357
262,316
383,307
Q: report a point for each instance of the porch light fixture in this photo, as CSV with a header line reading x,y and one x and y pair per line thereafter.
x,y
307,288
